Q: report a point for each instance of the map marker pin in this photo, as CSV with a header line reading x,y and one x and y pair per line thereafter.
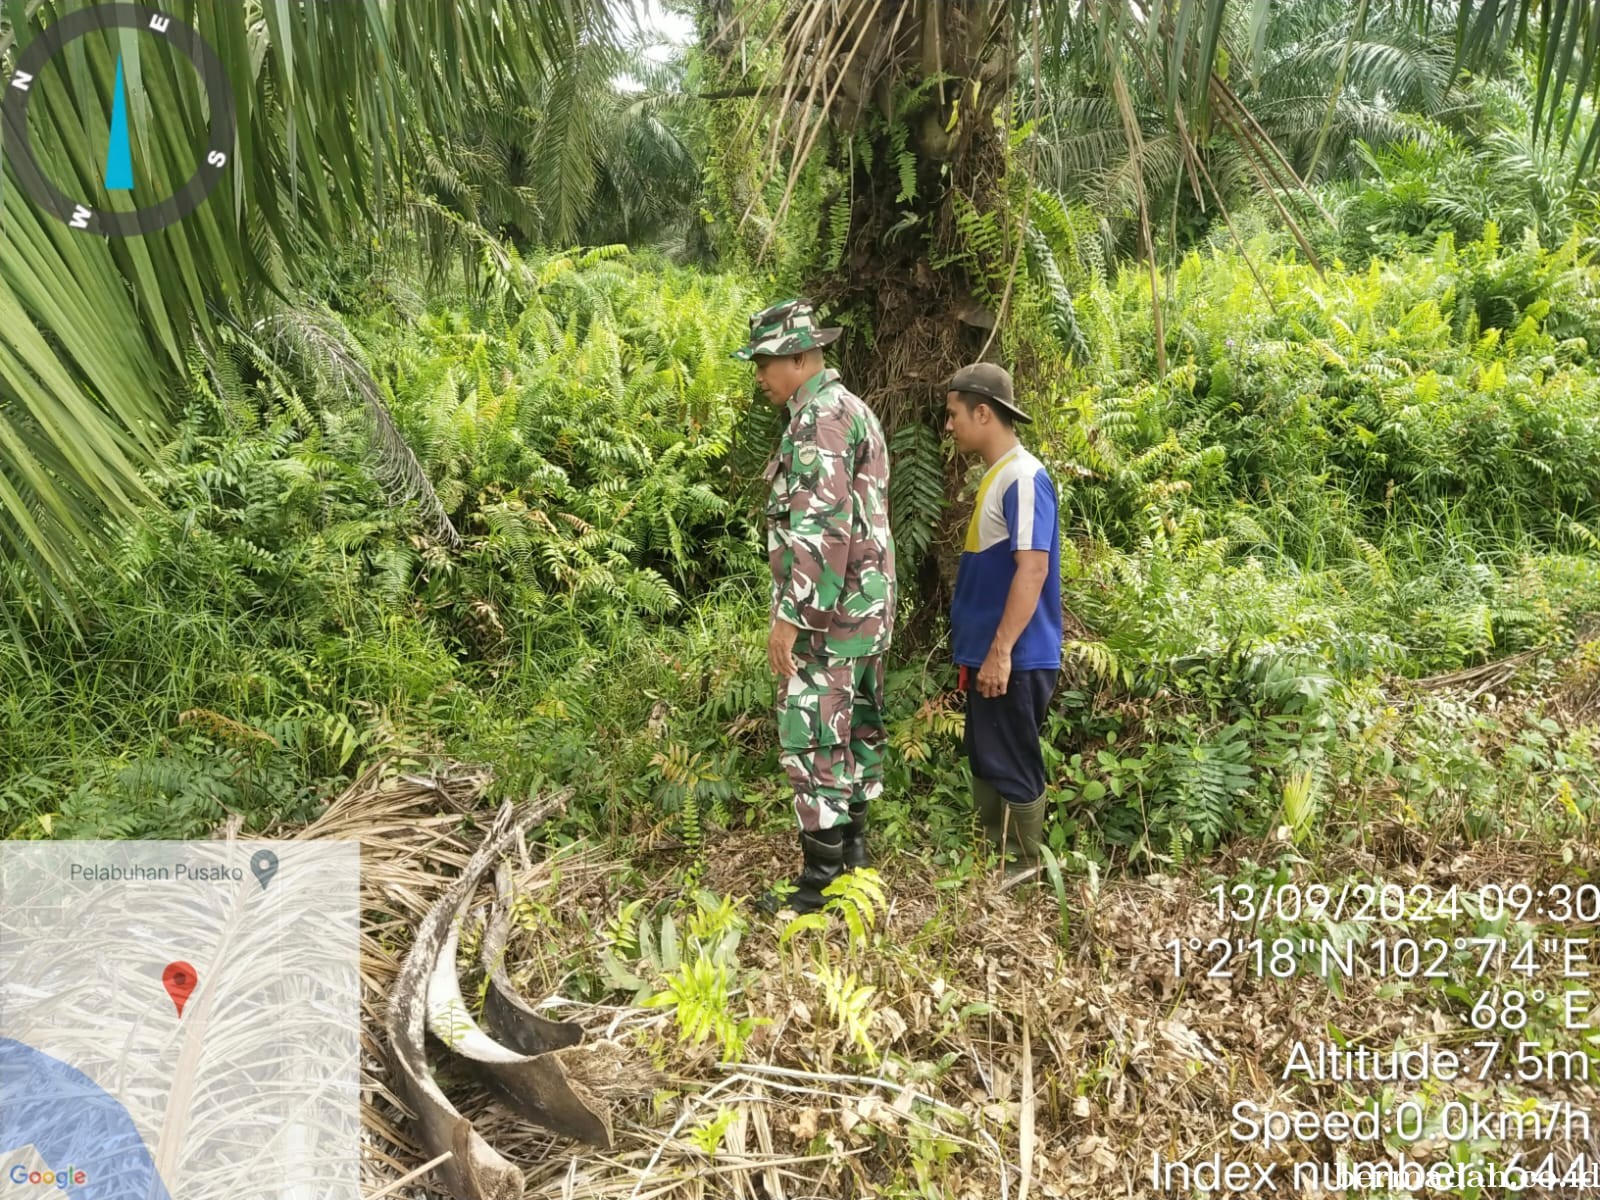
x,y
179,978
265,866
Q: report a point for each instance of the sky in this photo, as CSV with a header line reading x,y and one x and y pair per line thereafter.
x,y
674,26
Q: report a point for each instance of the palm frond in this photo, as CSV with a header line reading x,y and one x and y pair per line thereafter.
x,y
333,101
319,342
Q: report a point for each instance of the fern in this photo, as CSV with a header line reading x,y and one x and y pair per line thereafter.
x,y
838,231
916,491
861,147
982,250
700,993
905,161
850,1003
1205,779
686,780
696,974
1063,316
858,897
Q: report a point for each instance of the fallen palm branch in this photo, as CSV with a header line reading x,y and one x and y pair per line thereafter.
x,y
531,1084
1482,678
540,1085
509,1017
417,879
474,1171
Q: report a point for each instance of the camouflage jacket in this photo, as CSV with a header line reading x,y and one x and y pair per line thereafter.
x,y
828,537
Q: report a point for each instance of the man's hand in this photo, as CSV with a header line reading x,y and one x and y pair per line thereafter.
x,y
995,673
780,649
1021,601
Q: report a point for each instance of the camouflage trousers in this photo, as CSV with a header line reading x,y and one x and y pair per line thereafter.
x,y
831,734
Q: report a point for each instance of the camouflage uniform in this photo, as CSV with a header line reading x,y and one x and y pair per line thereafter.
x,y
832,560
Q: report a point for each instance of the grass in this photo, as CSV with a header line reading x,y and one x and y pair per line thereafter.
x,y
1331,606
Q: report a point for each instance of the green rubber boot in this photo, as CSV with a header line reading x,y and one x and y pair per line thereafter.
x,y
1024,833
991,806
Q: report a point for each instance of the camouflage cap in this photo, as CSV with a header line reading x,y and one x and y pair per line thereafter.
x,y
989,380
786,328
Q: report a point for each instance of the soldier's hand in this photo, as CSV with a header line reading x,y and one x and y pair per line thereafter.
x,y
780,649
995,674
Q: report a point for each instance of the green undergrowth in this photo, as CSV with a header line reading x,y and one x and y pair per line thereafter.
x,y
1341,483
1340,480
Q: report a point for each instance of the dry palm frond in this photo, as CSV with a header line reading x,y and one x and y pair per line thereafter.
x,y
320,342
410,831
1121,1060
474,1170
1482,678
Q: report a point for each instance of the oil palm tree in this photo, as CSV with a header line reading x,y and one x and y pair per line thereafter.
x,y
1457,175
603,150
911,101
1319,77
916,107
335,104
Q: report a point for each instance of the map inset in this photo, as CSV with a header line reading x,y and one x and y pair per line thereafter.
x,y
180,1020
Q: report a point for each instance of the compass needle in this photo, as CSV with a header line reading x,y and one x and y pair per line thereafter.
x,y
154,211
119,153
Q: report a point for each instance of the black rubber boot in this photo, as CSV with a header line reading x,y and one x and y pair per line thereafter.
x,y
824,862
855,837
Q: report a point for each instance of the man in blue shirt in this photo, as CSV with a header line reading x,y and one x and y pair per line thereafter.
x,y
1005,617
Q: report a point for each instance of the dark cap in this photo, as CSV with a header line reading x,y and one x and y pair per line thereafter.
x,y
989,380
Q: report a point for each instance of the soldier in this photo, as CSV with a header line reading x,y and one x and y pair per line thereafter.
x,y
1005,615
833,594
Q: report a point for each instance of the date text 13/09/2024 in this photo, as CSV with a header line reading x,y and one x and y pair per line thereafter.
x,y
1245,903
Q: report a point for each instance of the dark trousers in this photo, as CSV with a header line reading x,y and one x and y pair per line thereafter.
x,y
1002,733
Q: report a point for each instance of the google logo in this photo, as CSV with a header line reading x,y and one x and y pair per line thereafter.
x,y
60,1179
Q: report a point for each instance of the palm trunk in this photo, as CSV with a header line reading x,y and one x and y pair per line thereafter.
x,y
926,323
910,264
900,96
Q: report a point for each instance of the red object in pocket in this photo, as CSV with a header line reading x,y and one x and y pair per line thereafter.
x,y
962,680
